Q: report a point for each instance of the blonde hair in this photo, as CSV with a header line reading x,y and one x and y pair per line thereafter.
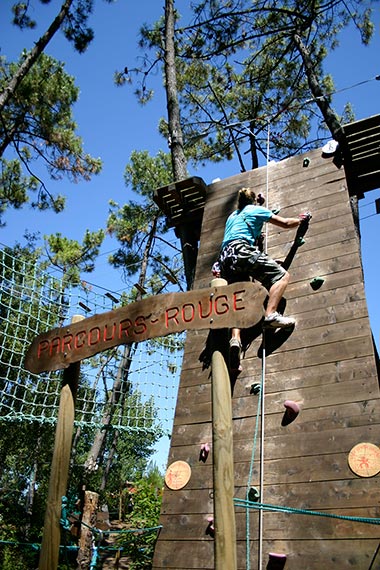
x,y
246,196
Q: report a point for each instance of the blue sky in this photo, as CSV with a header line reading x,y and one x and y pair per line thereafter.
x,y
112,123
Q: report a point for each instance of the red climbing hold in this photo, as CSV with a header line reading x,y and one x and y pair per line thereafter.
x,y
210,530
292,410
276,561
205,450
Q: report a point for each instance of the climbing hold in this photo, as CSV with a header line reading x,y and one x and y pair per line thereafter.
x,y
210,528
253,495
316,283
260,199
276,561
205,450
300,241
255,389
329,149
306,162
292,410
275,211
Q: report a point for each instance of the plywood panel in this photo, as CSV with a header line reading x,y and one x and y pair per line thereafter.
x,y
327,364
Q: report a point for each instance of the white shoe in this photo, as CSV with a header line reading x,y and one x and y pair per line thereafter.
x,y
277,321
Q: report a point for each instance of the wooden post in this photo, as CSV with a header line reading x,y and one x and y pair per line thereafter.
x,y
223,461
60,466
89,519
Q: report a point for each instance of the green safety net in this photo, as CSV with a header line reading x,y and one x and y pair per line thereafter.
x,y
132,387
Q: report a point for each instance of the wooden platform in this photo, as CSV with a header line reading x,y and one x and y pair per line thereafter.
x,y
327,365
182,201
361,153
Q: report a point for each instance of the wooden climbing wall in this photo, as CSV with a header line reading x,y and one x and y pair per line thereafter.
x,y
327,364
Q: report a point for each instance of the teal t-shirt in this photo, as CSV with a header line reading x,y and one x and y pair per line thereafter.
x,y
246,224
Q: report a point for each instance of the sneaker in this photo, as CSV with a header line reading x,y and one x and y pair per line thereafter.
x,y
277,321
235,352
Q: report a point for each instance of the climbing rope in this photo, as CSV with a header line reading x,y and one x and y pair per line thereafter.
x,y
260,418
291,510
247,512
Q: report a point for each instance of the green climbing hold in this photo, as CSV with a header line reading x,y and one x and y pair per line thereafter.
x,y
275,211
253,495
316,283
306,162
255,389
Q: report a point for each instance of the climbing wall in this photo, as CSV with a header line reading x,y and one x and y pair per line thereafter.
x,y
327,365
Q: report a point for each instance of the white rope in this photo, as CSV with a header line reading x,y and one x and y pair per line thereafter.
x,y
262,408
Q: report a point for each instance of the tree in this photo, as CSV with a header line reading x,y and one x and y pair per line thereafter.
x,y
72,18
37,124
241,69
139,227
144,510
31,301
71,257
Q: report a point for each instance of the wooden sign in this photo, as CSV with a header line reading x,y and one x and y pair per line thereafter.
x,y
237,305
177,475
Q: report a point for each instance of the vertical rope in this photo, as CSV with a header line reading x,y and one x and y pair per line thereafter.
x,y
262,434
247,510
260,412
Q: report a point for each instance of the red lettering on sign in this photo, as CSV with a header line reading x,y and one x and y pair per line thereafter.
x,y
66,342
171,314
140,326
221,305
237,300
124,327
78,341
55,345
188,312
42,346
112,334
209,309
94,336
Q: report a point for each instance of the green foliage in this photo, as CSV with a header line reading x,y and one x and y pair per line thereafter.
x,y
72,257
139,226
75,26
38,124
146,496
239,71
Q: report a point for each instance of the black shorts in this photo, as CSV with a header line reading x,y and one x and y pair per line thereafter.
x,y
240,260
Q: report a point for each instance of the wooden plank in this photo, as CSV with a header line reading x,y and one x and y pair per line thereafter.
x,y
350,414
277,527
315,553
318,327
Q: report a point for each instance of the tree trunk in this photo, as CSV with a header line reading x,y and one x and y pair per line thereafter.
x,y
175,130
179,163
329,115
89,520
321,100
121,385
34,54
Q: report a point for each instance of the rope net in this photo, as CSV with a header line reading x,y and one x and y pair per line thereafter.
x,y
132,387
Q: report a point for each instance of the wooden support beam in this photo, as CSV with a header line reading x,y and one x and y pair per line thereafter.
x,y
223,461
60,466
